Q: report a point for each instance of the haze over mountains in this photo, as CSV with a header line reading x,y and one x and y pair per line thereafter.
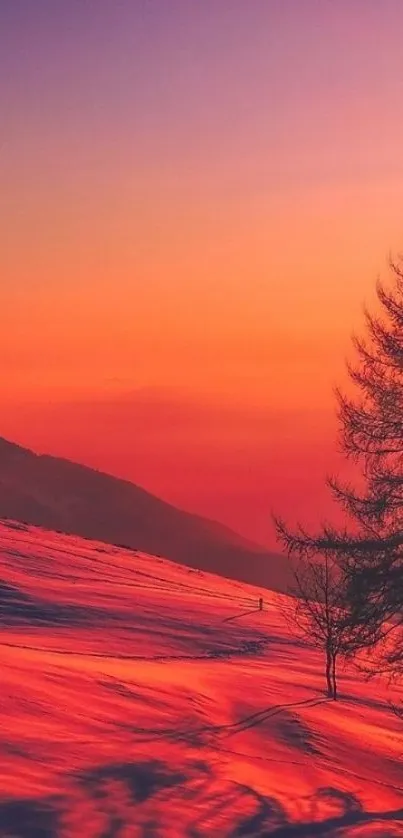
x,y
65,496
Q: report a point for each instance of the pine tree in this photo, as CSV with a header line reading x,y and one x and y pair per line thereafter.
x,y
369,552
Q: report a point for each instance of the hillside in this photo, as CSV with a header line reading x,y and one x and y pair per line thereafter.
x,y
143,698
61,495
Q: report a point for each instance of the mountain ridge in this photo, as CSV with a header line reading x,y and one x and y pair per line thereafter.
x,y
63,495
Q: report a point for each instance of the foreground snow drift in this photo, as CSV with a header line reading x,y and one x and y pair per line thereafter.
x,y
140,697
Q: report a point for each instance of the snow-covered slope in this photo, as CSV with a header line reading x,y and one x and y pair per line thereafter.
x,y
139,697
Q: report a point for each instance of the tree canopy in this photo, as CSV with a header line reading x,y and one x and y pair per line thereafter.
x,y
369,551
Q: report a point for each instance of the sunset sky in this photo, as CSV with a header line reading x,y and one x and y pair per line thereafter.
x,y
197,197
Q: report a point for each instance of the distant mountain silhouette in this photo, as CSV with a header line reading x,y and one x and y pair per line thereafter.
x,y
65,496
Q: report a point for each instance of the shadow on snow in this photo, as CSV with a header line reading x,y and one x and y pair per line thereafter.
x,y
149,795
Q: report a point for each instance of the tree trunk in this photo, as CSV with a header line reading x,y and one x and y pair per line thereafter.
x,y
334,679
329,674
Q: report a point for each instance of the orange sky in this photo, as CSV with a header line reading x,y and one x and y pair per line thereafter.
x,y
193,211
